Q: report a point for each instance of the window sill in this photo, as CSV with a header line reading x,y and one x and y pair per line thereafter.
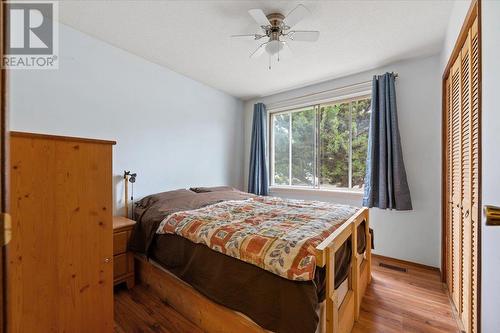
x,y
345,193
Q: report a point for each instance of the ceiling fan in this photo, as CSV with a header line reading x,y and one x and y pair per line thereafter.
x,y
277,31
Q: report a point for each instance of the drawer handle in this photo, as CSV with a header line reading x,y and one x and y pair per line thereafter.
x,y
467,214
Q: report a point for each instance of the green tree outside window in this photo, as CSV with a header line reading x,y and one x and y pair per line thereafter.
x,y
323,146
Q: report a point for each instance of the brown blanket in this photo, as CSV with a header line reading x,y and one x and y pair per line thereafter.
x,y
273,302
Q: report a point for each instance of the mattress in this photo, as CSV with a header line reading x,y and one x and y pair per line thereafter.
x,y
264,297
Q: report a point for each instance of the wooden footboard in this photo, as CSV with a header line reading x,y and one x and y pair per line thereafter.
x,y
364,262
212,317
339,318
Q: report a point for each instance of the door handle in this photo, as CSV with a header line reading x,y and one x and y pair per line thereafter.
x,y
467,214
107,260
492,215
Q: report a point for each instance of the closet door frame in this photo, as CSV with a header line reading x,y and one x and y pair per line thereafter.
x,y
4,176
473,14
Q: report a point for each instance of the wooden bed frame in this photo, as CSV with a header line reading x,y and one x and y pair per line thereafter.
x,y
215,318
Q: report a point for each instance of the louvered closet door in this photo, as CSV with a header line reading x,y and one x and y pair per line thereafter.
x,y
449,186
456,185
465,163
475,148
462,124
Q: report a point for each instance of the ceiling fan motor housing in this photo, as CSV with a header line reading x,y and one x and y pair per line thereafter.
x,y
274,32
277,24
276,28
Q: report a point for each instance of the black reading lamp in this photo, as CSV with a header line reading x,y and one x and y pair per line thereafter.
x,y
129,177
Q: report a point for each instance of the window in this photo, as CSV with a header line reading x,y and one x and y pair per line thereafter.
x,y
322,146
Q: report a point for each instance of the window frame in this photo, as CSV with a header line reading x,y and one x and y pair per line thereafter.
x,y
316,106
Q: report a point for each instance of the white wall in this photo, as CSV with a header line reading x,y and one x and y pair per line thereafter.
x,y
490,183
414,235
457,17
173,131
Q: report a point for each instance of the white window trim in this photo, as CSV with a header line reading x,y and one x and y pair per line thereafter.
x,y
322,97
348,93
343,192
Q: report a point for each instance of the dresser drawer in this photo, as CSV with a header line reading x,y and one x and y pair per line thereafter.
x,y
123,261
120,265
120,242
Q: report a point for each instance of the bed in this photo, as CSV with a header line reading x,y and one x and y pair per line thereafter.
x,y
221,292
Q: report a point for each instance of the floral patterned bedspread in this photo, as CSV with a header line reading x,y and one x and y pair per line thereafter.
x,y
278,235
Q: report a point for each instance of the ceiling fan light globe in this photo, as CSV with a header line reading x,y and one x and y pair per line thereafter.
x,y
273,47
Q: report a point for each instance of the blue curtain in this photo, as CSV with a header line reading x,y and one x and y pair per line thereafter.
x,y
386,185
258,176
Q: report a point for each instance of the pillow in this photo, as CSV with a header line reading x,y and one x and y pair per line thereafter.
x,y
168,195
212,189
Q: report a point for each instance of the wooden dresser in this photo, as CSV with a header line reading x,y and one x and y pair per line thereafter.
x,y
123,261
60,258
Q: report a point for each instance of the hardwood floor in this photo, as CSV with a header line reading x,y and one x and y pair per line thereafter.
x,y
411,301
395,301
139,310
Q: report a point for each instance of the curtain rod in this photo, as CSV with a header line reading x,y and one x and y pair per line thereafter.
x,y
396,75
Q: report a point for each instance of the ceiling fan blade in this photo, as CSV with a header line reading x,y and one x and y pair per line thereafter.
x,y
247,37
259,17
258,52
296,15
303,36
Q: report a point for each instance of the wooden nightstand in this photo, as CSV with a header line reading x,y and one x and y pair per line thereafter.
x,y
123,261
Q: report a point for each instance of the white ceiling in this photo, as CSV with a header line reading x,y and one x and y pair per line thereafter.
x,y
192,37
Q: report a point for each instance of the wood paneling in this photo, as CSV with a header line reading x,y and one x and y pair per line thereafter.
x,y
461,176
415,301
60,257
